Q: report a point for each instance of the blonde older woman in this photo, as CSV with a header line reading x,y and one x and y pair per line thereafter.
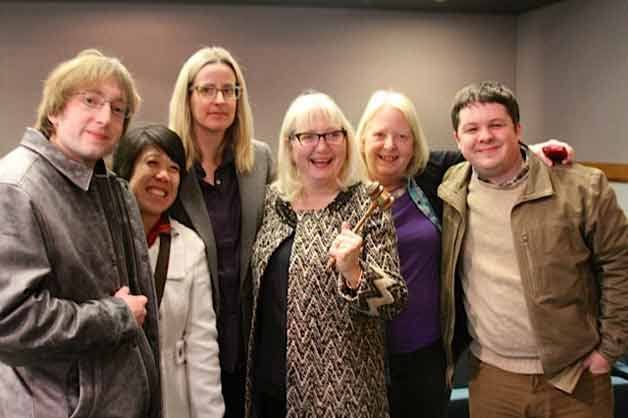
x,y
396,154
222,196
317,343
420,339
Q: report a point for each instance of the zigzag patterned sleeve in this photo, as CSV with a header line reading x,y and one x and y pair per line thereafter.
x,y
382,291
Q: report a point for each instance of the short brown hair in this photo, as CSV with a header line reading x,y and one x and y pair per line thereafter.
x,y
485,92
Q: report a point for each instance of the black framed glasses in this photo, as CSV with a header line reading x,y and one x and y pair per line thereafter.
x,y
311,139
209,91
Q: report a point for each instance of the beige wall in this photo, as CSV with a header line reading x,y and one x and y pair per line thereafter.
x,y
567,62
572,76
347,53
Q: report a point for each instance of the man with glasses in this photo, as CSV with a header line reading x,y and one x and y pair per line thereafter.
x,y
78,316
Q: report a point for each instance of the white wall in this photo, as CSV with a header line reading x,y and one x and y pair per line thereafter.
x,y
346,53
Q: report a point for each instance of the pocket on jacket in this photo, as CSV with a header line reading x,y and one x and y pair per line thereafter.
x,y
15,385
149,373
561,261
81,386
53,389
72,388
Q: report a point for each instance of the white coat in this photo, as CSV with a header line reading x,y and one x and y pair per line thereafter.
x,y
190,368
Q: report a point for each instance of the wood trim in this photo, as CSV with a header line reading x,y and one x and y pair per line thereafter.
x,y
614,171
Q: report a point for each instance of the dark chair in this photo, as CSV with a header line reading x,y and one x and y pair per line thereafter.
x,y
620,387
459,400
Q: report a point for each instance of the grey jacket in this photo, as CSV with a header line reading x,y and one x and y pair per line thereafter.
x,y
70,237
190,210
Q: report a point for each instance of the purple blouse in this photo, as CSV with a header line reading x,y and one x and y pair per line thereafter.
x,y
419,254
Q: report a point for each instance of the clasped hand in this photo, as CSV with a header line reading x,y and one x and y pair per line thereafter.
x,y
136,303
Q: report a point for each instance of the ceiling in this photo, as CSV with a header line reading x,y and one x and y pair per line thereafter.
x,y
455,6
449,6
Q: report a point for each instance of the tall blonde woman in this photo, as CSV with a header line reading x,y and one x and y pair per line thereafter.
x,y
222,196
317,343
420,351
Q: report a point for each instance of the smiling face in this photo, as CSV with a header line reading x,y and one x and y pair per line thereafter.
x,y
489,140
215,114
85,133
319,166
388,147
155,182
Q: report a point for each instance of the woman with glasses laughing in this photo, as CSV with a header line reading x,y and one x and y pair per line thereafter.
x,y
317,340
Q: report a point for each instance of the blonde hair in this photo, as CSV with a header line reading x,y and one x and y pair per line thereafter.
x,y
87,69
180,119
401,102
305,108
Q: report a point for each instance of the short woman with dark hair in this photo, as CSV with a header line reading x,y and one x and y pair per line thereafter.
x,y
152,159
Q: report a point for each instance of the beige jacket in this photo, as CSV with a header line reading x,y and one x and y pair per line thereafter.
x,y
571,239
190,369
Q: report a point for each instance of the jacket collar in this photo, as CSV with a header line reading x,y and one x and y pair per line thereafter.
x,y
453,189
539,181
79,174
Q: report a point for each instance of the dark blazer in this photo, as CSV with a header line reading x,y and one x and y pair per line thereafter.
x,y
429,180
190,210
432,175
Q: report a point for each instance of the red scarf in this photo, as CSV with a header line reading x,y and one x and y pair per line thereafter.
x,y
161,227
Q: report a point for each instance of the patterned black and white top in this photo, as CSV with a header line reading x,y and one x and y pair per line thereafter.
x,y
335,335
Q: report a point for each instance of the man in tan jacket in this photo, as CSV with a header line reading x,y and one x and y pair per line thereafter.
x,y
541,257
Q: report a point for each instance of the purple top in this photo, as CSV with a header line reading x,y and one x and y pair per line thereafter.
x,y
419,254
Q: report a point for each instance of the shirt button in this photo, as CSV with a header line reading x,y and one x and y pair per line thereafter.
x,y
218,182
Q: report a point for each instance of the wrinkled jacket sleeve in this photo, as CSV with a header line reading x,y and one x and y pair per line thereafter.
x,y
382,291
607,233
36,326
201,342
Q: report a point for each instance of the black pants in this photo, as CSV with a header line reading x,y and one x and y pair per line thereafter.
x,y
269,405
233,393
418,386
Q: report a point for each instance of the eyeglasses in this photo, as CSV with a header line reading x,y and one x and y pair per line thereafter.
x,y
96,101
209,91
311,139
